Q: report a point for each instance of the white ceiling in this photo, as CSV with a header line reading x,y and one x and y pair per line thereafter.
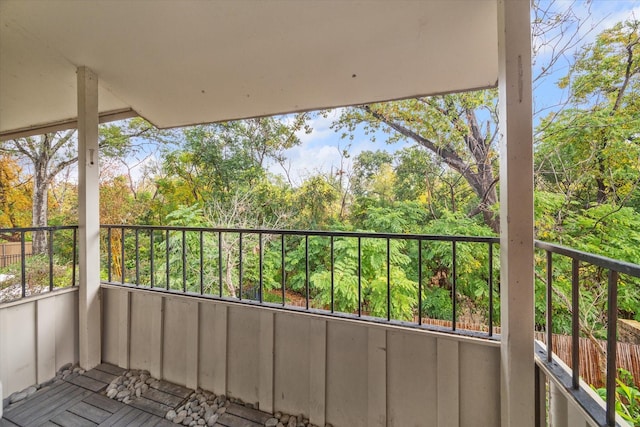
x,y
184,62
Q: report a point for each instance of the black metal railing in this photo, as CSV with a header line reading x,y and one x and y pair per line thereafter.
x,y
379,277
599,267
31,272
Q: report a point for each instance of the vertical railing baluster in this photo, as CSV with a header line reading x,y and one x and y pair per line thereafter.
x,y
50,259
575,323
152,270
359,277
122,272
282,255
490,289
612,342
75,257
220,263
109,255
201,262
454,291
23,268
419,282
184,261
332,275
167,259
306,270
549,306
388,279
260,266
240,266
137,257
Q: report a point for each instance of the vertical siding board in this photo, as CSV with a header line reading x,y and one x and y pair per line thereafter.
x,y
448,383
124,323
411,379
207,346
266,361
347,376
479,392
317,371
110,339
219,353
192,323
145,332
156,317
18,347
243,346
293,366
45,339
174,346
377,377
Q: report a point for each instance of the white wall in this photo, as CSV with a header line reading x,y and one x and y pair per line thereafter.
x,y
37,336
347,373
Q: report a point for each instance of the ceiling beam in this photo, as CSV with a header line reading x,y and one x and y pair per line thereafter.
x,y
105,117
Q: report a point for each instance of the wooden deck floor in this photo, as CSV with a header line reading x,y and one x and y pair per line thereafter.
x,y
80,401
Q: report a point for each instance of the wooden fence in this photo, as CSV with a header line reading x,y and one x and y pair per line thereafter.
x,y
10,253
628,356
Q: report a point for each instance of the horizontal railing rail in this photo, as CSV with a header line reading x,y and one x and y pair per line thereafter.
x,y
324,272
613,268
38,271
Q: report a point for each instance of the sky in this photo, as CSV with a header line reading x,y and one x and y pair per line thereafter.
x,y
320,150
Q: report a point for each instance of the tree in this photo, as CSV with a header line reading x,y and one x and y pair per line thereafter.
x,y
216,160
51,153
15,198
458,130
590,150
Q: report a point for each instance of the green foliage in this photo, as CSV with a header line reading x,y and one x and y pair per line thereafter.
x,y
373,279
37,273
627,397
589,151
436,303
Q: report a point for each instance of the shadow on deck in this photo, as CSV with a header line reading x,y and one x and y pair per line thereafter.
x,y
80,400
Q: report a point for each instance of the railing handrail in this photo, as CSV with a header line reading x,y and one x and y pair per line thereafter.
x,y
321,233
239,262
598,260
43,228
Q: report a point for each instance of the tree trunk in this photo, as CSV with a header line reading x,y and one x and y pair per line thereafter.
x,y
477,169
40,205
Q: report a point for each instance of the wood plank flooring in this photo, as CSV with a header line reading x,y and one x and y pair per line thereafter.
x,y
79,401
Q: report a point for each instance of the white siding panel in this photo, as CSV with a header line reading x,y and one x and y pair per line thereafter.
x,y
412,379
292,364
145,312
175,339
347,347
110,335
66,328
243,341
18,347
479,385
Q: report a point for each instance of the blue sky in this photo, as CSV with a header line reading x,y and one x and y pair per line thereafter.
x,y
320,150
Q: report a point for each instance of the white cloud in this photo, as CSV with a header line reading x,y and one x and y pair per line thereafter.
x,y
595,16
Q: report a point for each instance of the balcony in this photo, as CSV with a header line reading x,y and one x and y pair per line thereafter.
x,y
75,64
197,307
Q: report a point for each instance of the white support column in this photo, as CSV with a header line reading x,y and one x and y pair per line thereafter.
x,y
516,213
89,220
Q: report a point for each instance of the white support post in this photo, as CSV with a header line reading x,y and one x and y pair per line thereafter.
x,y
516,213
89,220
